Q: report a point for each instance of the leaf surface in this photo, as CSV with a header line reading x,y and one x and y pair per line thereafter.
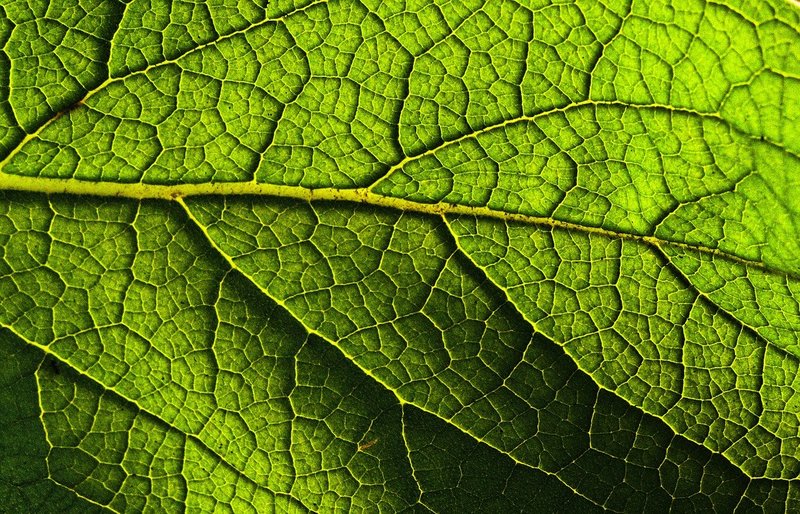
x,y
449,256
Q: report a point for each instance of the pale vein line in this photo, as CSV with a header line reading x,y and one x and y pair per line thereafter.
x,y
364,196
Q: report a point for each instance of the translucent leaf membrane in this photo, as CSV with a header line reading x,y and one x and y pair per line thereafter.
x,y
529,256
131,410
642,171
641,329
331,271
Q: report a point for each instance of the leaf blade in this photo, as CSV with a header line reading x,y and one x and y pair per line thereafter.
x,y
635,153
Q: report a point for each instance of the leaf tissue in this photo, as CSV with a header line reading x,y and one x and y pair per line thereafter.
x,y
377,256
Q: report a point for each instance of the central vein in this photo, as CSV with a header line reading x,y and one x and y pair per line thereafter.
x,y
365,196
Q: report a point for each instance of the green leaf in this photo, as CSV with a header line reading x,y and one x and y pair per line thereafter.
x,y
378,256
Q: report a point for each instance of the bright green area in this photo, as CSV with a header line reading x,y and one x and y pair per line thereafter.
x,y
399,256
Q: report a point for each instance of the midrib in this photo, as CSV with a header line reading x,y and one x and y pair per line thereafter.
x,y
363,196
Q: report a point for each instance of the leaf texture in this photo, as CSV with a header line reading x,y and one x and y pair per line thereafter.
x,y
373,256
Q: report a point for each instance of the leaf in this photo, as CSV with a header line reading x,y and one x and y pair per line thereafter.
x,y
446,256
